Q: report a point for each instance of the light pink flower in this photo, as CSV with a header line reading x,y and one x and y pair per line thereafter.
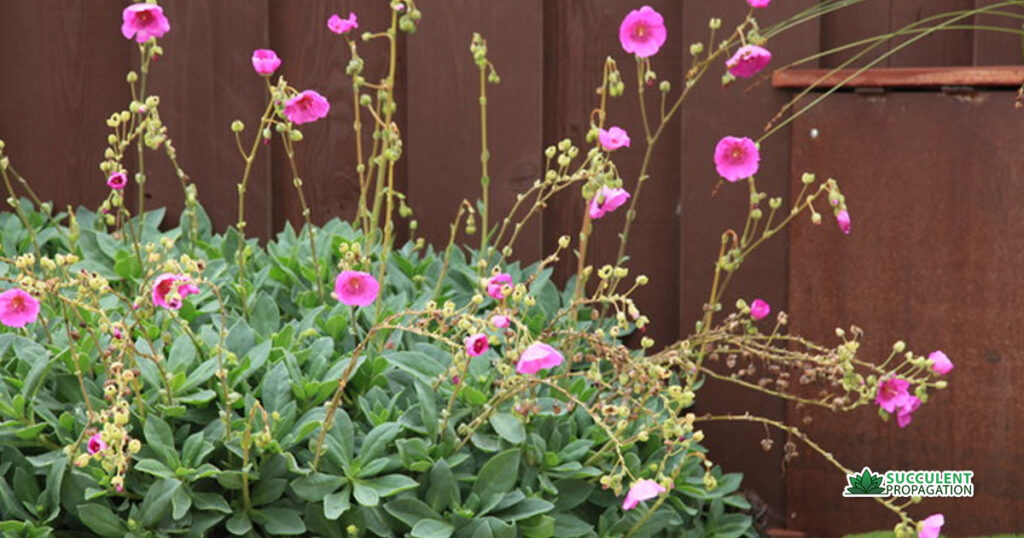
x,y
117,181
759,3
170,289
144,21
606,201
499,321
931,526
642,32
613,138
759,309
356,288
643,490
736,158
96,444
496,285
892,394
18,308
339,25
307,106
940,363
904,411
476,344
843,219
265,61
537,357
748,61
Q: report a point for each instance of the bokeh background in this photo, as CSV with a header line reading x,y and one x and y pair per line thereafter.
x,y
929,158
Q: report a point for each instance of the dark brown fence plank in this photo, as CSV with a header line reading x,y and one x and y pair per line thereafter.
x,y
206,81
581,35
740,110
443,132
946,47
935,242
63,73
860,21
998,48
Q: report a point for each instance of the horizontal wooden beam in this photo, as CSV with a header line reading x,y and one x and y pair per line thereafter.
x,y
901,77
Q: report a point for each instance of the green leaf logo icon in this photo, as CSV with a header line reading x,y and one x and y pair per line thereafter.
x,y
866,483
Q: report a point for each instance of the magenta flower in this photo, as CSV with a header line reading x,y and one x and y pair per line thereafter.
x,y
736,158
339,25
170,289
496,285
643,490
759,3
904,411
892,394
476,344
748,61
613,138
18,308
307,106
606,201
843,219
356,288
499,321
144,21
760,309
642,32
940,363
117,181
931,526
96,444
538,357
265,61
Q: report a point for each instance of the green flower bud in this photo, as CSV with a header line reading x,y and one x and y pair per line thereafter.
x,y
237,126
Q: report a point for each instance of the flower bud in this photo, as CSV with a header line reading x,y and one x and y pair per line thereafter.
x,y
237,126
807,178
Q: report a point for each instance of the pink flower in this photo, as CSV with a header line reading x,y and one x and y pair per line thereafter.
x,y
265,61
476,344
930,527
499,321
96,444
613,138
144,21
538,357
18,308
339,25
736,158
843,219
759,3
892,393
606,201
117,181
356,288
642,32
306,107
940,363
903,413
496,285
643,490
748,61
170,289
759,309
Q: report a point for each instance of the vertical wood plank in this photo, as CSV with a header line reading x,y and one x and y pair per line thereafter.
x,y
63,75
205,81
946,47
936,238
444,115
582,34
315,58
998,48
860,21
711,113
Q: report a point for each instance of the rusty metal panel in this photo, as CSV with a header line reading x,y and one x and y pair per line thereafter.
x,y
934,186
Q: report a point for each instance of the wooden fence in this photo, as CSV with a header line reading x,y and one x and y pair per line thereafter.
x,y
933,179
